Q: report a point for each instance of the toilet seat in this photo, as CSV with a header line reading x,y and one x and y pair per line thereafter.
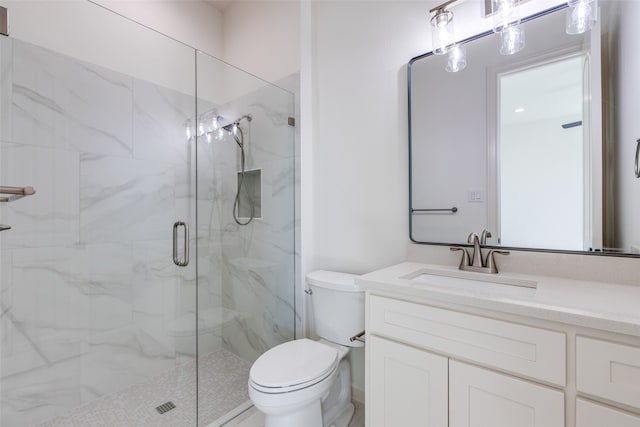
x,y
292,366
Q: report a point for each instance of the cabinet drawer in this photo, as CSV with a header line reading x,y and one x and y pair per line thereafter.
x,y
608,370
532,352
591,415
480,397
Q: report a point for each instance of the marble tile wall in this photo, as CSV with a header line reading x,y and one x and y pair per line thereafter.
x,y
89,295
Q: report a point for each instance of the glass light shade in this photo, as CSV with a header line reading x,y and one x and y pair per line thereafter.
x,y
442,32
581,16
457,59
187,127
506,15
512,39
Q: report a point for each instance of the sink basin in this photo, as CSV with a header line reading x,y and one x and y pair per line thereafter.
x,y
496,284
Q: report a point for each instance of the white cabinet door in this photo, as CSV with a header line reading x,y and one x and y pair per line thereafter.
x,y
593,415
482,398
408,387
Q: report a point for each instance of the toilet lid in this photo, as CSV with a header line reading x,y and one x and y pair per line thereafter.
x,y
293,363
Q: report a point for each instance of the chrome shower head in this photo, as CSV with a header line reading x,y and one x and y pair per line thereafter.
x,y
231,126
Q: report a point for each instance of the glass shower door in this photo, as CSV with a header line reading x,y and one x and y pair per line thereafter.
x,y
246,227
97,322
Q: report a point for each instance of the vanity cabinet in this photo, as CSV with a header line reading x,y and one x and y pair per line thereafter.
x,y
409,388
430,365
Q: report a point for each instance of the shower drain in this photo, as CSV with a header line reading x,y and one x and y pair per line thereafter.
x,y
165,407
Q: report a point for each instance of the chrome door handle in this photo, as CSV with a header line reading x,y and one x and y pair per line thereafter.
x,y
185,260
637,168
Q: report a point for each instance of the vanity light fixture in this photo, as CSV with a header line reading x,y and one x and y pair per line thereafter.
x,y
457,60
581,15
506,22
512,40
209,125
442,28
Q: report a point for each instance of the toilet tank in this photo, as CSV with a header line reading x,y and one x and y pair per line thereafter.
x,y
337,305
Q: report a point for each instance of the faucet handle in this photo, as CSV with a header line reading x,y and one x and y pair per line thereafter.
x,y
465,256
472,238
483,238
491,262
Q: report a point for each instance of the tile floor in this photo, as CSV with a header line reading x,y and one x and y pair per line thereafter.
x,y
223,388
224,401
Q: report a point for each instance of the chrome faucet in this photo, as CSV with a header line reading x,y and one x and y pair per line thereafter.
x,y
475,261
476,257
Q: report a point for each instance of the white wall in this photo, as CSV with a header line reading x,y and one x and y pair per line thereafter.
x,y
359,131
263,37
91,33
195,22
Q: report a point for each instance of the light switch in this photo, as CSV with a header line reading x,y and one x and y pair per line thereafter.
x,y
474,196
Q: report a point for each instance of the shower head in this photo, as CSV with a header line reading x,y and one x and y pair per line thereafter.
x,y
230,127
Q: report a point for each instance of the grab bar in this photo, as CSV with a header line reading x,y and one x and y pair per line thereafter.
x,y
15,193
452,210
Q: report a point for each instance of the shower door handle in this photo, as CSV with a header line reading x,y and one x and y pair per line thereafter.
x,y
185,260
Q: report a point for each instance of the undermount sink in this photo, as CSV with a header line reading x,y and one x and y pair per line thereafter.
x,y
473,282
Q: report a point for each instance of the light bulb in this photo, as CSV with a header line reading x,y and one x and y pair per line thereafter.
x,y
506,16
188,129
581,16
442,32
512,40
457,60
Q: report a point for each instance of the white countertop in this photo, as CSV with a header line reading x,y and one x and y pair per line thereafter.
x,y
606,306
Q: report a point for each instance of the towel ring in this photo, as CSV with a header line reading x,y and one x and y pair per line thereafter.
x,y
637,168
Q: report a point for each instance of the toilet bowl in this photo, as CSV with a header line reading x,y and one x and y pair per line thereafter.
x,y
306,383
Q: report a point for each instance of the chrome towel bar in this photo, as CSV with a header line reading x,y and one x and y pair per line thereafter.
x,y
15,193
452,210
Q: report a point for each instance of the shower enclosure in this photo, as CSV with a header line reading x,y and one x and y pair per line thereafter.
x,y
129,295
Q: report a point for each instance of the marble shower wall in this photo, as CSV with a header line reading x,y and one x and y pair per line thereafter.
x,y
90,300
251,268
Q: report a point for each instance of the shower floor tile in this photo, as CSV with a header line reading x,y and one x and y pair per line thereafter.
x,y
222,388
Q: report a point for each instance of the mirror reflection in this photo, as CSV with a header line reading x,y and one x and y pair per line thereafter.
x,y
537,147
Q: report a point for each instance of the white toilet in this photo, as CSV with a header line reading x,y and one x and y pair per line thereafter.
x,y
306,383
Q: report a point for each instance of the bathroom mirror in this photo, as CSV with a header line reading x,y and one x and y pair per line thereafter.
x,y
538,147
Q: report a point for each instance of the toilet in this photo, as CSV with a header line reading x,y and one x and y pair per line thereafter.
x,y
307,383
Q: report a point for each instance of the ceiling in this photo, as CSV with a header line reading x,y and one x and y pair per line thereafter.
x,y
221,5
